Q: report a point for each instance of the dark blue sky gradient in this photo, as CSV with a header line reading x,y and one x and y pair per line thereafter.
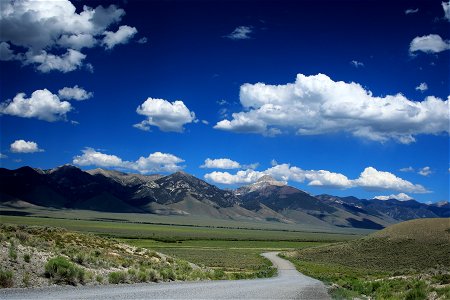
x,y
187,58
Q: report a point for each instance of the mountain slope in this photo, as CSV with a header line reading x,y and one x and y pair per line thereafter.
x,y
178,186
416,244
63,187
301,207
68,187
391,209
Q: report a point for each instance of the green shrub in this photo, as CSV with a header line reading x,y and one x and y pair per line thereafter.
x,y
27,257
237,276
442,278
79,259
127,263
197,274
117,277
96,253
99,278
153,275
23,237
6,279
218,274
60,270
417,292
26,279
3,237
443,293
133,275
12,252
168,274
142,276
183,266
265,271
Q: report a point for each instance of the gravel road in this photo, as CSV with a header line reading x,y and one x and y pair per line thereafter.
x,y
289,284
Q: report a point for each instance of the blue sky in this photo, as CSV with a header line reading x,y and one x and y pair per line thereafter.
x,y
338,97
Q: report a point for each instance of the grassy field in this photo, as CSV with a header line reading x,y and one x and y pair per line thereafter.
x,y
231,256
183,220
176,232
227,249
410,260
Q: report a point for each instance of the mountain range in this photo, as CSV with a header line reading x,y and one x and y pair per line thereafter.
x,y
68,187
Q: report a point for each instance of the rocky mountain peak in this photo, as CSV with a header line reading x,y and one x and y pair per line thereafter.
x,y
63,168
441,204
270,180
263,182
182,173
104,172
265,178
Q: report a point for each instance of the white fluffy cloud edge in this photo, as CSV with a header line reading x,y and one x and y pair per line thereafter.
x,y
369,179
43,104
400,197
316,104
240,33
22,146
153,163
167,116
226,163
432,43
32,30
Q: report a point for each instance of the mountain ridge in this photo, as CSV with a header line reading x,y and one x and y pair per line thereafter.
x,y
180,193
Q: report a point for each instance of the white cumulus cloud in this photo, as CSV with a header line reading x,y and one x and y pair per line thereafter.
x,y
411,11
167,116
400,196
316,104
240,33
425,171
91,157
39,30
157,162
121,36
422,87
370,178
22,146
6,53
314,177
241,177
77,41
153,163
373,179
357,64
75,93
431,43
220,163
142,40
47,62
43,104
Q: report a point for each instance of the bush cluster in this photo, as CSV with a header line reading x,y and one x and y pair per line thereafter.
x,y
60,270
6,278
